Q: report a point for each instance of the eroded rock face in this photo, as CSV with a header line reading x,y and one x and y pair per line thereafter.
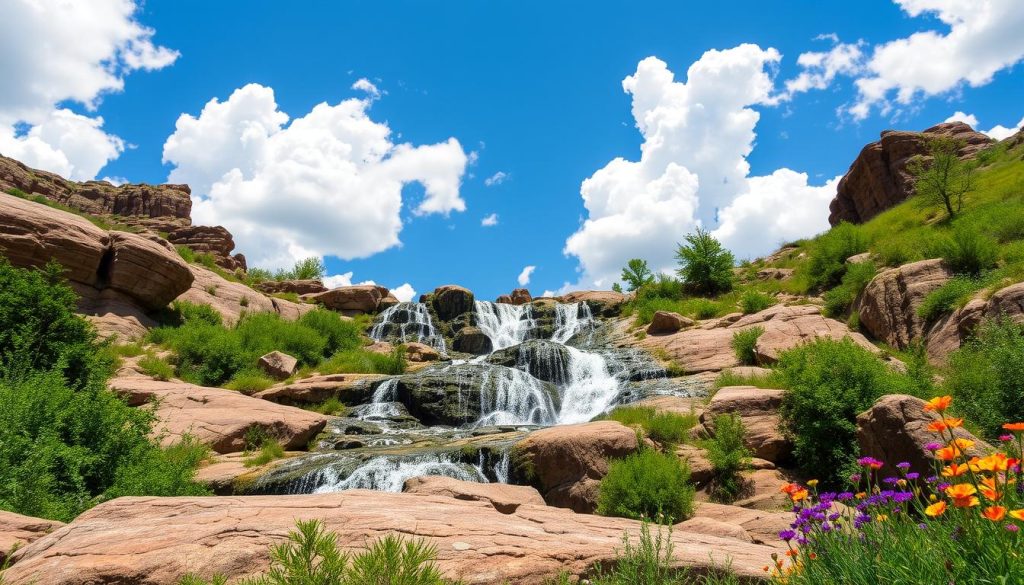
x,y
505,498
231,535
421,352
946,335
17,531
602,302
888,306
472,340
350,389
450,301
895,429
567,462
879,179
668,322
350,300
231,299
148,270
278,365
758,408
217,417
214,240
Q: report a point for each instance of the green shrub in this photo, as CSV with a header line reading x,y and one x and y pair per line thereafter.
x,y
663,287
744,343
308,269
340,334
361,361
828,383
39,329
728,457
668,428
704,308
704,265
163,472
332,407
249,381
731,378
755,301
985,376
269,451
258,275
839,300
127,350
826,264
946,298
647,484
967,251
156,368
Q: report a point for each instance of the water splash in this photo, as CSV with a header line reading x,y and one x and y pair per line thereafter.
x,y
389,474
506,325
510,396
407,322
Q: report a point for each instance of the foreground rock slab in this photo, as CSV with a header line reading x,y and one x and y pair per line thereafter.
x,y
155,541
16,531
216,417
506,498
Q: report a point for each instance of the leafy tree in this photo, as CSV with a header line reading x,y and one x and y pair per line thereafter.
x,y
945,179
636,274
309,269
704,264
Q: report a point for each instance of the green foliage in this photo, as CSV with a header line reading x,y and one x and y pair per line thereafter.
x,y
164,472
636,274
647,484
967,251
249,381
730,378
839,300
985,376
361,361
728,457
308,269
744,343
668,428
828,383
755,301
258,275
944,179
127,350
340,334
332,406
156,368
39,329
268,451
946,298
826,264
704,265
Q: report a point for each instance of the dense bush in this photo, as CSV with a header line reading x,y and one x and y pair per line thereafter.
x,y
967,251
647,485
705,266
728,457
210,354
826,264
664,427
948,297
986,378
828,383
755,301
39,329
839,300
744,343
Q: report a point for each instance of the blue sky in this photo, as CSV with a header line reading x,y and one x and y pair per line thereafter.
x,y
529,89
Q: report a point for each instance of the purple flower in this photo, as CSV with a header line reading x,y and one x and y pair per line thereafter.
x,y
891,480
913,475
923,526
869,462
1012,527
787,535
902,497
842,497
942,486
932,478
833,517
933,446
903,465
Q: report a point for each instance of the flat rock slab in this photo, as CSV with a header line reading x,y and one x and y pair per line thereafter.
x,y
505,498
218,417
155,541
17,531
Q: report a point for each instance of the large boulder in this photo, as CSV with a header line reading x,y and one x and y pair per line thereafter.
x,y
505,498
147,269
895,430
665,322
156,541
299,287
350,389
16,531
350,300
278,365
217,417
758,408
946,335
450,301
421,352
214,240
472,340
763,527
879,177
567,462
888,306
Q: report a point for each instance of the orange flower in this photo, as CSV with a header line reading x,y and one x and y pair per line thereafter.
x,y
1017,427
798,495
936,509
937,426
1018,514
994,513
961,444
995,462
988,489
954,470
962,495
954,423
790,488
946,454
939,403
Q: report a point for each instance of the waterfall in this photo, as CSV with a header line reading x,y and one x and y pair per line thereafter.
x,y
518,398
506,325
406,322
570,319
383,403
590,388
389,473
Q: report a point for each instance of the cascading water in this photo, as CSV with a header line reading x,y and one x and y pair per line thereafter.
x,y
506,325
407,322
571,319
390,474
513,397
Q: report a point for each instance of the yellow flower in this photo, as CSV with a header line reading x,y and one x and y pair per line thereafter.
x,y
939,403
1018,514
936,509
812,482
954,470
994,513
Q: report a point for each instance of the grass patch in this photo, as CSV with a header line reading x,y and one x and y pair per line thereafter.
x,y
668,428
755,301
731,378
269,451
361,361
948,297
331,407
249,382
744,343
156,368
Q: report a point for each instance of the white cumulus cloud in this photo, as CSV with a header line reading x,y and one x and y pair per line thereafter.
x,y
328,183
404,292
490,220
496,179
54,51
692,171
998,132
983,38
524,276
820,68
969,119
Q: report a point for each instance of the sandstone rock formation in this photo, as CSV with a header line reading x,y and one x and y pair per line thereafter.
x,y
278,365
505,498
214,240
299,287
946,335
170,537
350,389
519,296
895,429
888,306
758,408
602,302
350,300
421,352
16,531
567,462
146,269
472,340
216,417
879,179
231,299
668,322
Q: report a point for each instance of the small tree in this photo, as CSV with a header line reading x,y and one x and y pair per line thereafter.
x,y
704,264
945,179
636,274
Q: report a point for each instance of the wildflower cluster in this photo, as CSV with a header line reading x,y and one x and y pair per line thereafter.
x,y
960,523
